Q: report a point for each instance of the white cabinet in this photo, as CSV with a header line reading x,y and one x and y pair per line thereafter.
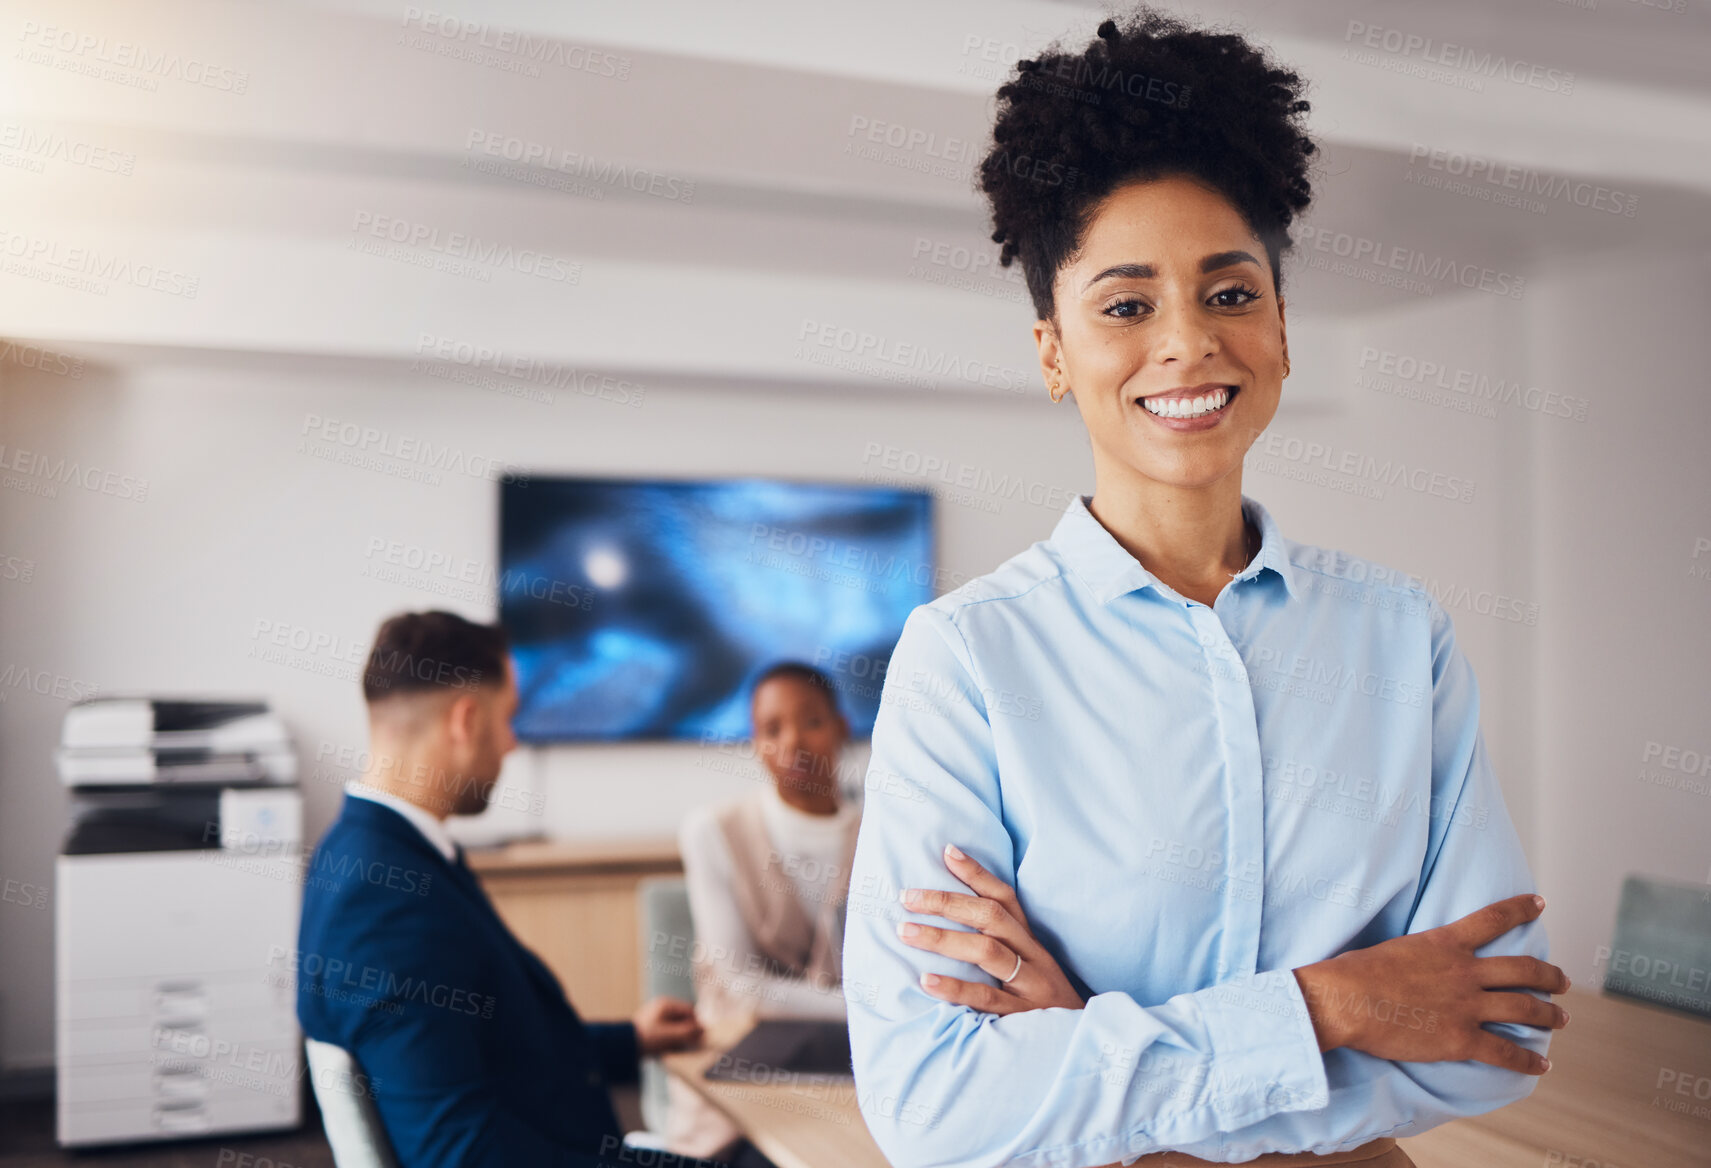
x,y
174,999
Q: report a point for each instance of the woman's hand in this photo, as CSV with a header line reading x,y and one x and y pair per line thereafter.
x,y
1422,997
1003,935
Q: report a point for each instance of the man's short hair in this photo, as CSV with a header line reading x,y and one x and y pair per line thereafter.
x,y
432,652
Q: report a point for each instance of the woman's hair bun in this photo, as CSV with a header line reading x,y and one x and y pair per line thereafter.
x,y
1150,96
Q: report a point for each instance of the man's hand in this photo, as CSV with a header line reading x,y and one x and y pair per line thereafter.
x,y
1422,997
1003,934
664,1024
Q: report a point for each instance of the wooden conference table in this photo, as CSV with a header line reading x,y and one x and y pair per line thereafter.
x,y
1601,1104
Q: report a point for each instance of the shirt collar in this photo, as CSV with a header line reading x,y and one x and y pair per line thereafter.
x,y
432,829
1107,568
790,818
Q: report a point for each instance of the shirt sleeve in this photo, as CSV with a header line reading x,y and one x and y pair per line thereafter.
x,y
940,1084
725,955
1474,858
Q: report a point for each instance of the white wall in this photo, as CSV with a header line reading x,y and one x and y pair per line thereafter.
x,y
1619,509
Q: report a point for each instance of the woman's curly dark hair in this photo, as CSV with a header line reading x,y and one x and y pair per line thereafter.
x,y
1147,98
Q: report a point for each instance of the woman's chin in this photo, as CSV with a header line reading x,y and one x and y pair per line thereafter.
x,y
814,786
1182,470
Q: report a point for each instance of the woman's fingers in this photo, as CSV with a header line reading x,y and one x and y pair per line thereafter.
x,y
1485,925
1524,1009
970,871
976,911
997,940
1511,1056
976,994
991,955
1521,973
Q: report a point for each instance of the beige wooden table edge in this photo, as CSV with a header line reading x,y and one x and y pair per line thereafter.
x,y
647,854
1558,1116
718,1037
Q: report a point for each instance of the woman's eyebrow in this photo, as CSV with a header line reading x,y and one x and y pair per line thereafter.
x,y
1211,263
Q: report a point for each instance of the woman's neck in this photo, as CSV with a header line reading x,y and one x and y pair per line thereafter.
x,y
1192,538
807,803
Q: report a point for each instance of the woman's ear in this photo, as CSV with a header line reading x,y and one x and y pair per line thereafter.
x,y
1051,353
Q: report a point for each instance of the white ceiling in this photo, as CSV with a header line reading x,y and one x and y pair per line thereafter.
x,y
355,109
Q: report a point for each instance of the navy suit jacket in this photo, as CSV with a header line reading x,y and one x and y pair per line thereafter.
x,y
474,1055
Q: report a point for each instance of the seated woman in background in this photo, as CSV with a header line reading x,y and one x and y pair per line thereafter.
x,y
768,877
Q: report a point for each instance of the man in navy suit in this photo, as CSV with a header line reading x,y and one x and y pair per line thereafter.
x,y
475,1055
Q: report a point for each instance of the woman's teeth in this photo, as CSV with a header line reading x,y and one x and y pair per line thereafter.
x,y
1187,407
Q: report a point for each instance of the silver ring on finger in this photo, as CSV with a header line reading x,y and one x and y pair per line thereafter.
x,y
1015,971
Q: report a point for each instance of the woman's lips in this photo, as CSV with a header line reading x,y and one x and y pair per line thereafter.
x,y
1194,425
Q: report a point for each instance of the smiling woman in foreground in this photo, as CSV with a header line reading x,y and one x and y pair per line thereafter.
x,y
1237,783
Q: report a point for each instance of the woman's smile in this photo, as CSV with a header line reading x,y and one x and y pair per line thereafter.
x,y
1191,409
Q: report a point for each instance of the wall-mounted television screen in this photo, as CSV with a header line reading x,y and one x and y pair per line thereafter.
x,y
646,609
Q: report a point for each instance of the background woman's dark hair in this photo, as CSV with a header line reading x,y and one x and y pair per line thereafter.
x,y
1146,98
807,674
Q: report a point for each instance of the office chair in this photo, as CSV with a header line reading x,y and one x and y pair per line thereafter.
x,y
1663,930
667,937
347,1109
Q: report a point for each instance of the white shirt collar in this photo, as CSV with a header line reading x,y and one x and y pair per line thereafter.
x,y
1110,571
793,819
432,829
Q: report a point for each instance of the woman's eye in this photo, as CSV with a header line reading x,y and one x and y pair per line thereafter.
x,y
1129,309
1248,294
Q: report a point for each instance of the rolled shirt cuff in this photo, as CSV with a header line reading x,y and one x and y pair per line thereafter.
x,y
1265,1055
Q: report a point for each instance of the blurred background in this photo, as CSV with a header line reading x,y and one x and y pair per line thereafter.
x,y
293,295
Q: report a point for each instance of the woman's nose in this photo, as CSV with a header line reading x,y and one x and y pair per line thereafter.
x,y
1185,335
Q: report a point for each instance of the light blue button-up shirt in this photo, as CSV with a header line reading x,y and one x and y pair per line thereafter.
x,y
1191,802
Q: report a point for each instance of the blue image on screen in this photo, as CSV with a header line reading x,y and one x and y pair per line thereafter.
x,y
645,609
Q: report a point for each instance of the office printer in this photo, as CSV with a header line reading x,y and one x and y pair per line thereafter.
x,y
179,885
139,741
